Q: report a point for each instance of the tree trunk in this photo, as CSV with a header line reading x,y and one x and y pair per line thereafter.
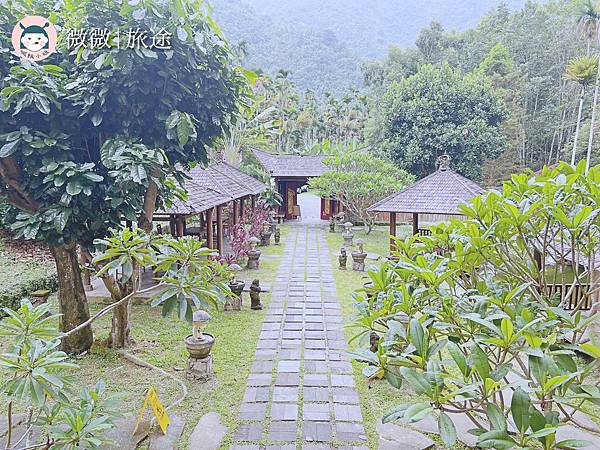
x,y
592,123
121,328
581,99
73,303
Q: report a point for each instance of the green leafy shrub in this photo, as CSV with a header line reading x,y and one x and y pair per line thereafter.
x,y
38,380
472,318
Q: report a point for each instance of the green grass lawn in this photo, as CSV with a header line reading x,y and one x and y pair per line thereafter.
x,y
159,341
23,266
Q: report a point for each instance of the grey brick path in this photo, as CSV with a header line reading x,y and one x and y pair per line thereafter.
x,y
300,394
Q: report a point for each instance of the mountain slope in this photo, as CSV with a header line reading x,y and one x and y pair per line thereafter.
x,y
322,43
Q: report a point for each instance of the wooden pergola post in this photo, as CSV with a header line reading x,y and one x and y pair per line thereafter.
x,y
180,226
241,209
172,225
253,201
234,219
392,231
220,228
209,228
415,223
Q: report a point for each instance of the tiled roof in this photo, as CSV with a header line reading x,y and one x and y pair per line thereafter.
x,y
438,193
214,186
291,165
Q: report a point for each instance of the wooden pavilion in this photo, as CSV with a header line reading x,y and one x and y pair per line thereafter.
x,y
212,192
290,172
439,193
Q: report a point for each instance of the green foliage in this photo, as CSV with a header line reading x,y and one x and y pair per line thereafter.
x,y
271,198
469,317
86,133
186,270
439,111
39,376
358,179
582,70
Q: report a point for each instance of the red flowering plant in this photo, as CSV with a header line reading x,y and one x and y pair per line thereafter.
x,y
250,225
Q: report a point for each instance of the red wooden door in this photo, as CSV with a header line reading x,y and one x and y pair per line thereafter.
x,y
326,209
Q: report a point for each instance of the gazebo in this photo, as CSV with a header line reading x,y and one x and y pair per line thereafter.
x,y
439,193
290,172
210,190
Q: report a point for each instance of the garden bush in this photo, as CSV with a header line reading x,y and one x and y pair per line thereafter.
x,y
471,318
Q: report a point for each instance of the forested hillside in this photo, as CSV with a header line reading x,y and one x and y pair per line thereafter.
x,y
499,96
323,44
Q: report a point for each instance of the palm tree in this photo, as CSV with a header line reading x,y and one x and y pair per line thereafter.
x,y
589,19
582,71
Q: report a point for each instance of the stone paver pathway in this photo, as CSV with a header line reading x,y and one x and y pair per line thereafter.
x,y
300,393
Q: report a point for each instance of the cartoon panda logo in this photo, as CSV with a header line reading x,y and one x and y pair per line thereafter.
x,y
34,38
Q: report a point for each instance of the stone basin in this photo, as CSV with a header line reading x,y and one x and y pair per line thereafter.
x,y
199,348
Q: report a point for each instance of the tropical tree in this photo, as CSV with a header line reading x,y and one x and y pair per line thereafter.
x,y
437,111
271,198
582,71
94,136
358,179
482,318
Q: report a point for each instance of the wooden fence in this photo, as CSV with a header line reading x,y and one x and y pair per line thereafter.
x,y
580,295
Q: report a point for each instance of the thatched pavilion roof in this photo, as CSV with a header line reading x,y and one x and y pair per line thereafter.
x,y
213,186
282,166
438,193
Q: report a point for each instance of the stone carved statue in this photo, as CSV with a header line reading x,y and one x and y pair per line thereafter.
x,y
277,235
374,342
255,295
343,258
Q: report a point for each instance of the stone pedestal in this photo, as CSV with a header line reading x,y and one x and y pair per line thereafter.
x,y
200,369
348,236
265,239
253,259
358,261
235,303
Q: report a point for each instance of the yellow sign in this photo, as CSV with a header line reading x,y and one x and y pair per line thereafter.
x,y
159,411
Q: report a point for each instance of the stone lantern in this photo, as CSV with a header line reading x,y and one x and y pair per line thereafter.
x,y
237,286
253,253
265,234
199,345
348,234
359,256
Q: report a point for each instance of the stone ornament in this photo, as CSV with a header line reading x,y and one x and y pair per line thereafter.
x,y
236,286
343,258
359,256
255,295
265,234
277,235
253,254
199,345
348,234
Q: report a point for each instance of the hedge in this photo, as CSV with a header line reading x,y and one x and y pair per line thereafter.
x,y
11,298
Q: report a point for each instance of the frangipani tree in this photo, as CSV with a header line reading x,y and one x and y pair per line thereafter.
x,y
39,382
358,179
92,136
474,317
